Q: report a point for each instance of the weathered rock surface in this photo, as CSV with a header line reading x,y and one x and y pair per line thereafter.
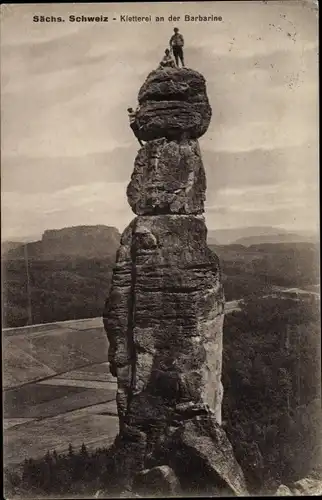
x,y
168,177
204,458
164,316
158,481
117,320
307,486
283,491
173,102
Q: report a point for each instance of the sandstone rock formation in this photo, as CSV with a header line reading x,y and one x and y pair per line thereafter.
x,y
307,487
168,178
161,480
164,316
173,103
304,487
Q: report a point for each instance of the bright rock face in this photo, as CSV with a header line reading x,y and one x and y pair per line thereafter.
x,y
164,316
307,486
168,178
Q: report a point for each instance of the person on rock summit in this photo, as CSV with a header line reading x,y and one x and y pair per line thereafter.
x,y
133,124
176,45
167,60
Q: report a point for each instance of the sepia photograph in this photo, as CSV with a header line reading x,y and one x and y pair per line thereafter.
x,y
160,249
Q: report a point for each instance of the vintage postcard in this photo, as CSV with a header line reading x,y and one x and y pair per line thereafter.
x,y
160,249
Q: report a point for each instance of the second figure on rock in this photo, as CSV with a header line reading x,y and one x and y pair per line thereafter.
x,y
167,60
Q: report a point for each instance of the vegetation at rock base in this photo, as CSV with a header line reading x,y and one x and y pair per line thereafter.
x,y
77,472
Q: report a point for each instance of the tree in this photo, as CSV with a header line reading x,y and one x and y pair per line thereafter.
x,y
83,451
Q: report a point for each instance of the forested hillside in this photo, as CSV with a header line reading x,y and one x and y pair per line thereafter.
x,y
272,388
66,275
258,268
71,286
59,290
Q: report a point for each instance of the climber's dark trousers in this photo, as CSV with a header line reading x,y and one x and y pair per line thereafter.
x,y
135,131
178,54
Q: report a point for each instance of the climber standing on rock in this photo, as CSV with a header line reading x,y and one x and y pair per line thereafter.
x,y
133,124
176,46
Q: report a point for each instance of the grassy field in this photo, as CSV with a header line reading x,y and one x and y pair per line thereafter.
x,y
20,367
34,438
99,372
18,403
33,353
58,389
52,400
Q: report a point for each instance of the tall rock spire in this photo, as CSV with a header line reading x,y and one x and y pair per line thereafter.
x,y
164,316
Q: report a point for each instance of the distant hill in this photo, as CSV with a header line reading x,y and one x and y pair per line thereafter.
x,y
69,275
7,246
275,238
79,241
258,234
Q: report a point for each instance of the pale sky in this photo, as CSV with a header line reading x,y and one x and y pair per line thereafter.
x,y
67,149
